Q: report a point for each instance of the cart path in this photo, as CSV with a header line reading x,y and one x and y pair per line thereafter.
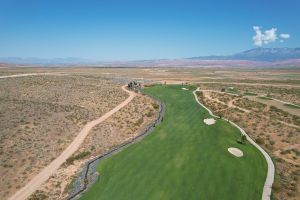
x,y
267,190
43,176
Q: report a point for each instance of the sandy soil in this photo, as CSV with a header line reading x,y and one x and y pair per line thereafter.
x,y
230,103
272,128
271,169
41,115
38,180
122,126
277,104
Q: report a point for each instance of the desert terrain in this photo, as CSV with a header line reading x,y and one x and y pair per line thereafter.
x,y
41,115
272,124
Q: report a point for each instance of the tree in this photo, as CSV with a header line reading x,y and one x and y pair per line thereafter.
x,y
242,139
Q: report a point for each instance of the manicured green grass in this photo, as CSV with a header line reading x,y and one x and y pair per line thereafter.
x,y
183,158
250,94
232,90
292,105
265,98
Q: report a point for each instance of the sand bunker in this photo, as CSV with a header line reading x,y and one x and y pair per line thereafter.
x,y
184,88
209,121
235,151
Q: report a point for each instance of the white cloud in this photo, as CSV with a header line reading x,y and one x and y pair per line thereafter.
x,y
266,37
285,36
260,38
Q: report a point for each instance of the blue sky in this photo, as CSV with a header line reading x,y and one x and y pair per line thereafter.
x,y
140,29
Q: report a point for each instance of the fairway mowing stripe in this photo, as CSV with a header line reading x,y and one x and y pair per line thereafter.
x,y
193,156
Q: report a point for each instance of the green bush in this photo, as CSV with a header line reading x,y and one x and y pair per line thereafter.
x,y
260,140
79,156
276,185
155,106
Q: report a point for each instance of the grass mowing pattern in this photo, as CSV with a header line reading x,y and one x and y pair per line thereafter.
x,y
183,158
292,105
250,94
265,98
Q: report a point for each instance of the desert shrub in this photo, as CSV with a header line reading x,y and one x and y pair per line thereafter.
x,y
296,152
38,195
199,93
139,121
283,152
276,185
291,193
155,106
259,140
149,114
79,156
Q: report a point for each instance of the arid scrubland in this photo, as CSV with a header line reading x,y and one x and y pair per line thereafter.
x,y
40,116
288,94
121,127
275,130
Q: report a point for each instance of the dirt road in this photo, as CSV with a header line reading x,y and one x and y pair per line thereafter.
x,y
31,74
229,104
40,178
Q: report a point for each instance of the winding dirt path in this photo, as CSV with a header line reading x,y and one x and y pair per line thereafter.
x,y
229,104
267,190
43,176
273,102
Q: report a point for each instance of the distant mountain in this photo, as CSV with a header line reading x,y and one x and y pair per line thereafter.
x,y
269,54
259,54
258,57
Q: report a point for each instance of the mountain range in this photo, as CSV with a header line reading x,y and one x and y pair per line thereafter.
x,y
253,57
259,54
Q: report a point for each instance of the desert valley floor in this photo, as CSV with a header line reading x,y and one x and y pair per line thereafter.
x,y
188,154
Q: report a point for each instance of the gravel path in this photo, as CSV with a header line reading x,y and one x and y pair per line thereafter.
x,y
267,190
32,74
43,176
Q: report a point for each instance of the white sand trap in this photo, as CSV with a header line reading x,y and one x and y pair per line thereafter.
x,y
235,151
209,121
184,88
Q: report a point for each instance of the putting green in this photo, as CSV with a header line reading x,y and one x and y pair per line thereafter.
x,y
182,158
